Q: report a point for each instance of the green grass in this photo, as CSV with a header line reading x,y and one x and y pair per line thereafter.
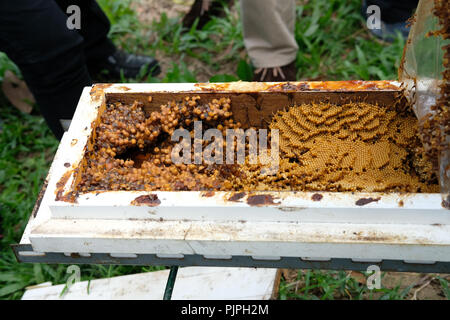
x,y
333,45
331,285
26,151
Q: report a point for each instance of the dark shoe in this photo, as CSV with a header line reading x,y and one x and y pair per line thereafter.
x,y
204,10
388,31
276,74
130,65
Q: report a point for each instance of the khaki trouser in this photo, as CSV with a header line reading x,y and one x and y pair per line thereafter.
x,y
268,27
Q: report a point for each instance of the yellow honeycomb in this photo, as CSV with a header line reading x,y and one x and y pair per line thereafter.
x,y
349,147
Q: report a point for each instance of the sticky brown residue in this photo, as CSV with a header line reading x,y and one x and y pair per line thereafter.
x,y
302,86
208,194
212,87
347,85
66,164
288,86
261,200
446,202
401,203
237,196
39,199
98,90
291,209
151,200
317,197
364,201
61,184
352,85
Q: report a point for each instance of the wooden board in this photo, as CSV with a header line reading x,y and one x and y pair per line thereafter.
x,y
192,283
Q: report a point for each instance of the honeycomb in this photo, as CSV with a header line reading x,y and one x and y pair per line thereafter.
x,y
349,147
133,152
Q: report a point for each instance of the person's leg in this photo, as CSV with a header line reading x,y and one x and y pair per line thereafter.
x,y
204,10
268,27
34,35
94,29
101,54
393,11
394,16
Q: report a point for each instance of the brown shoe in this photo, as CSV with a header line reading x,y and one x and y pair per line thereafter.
x,y
17,92
204,10
276,74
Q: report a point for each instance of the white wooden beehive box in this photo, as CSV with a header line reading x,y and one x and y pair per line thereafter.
x,y
358,226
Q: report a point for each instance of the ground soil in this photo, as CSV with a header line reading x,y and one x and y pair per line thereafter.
x,y
424,286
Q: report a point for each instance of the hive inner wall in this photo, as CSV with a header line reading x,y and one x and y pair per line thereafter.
x,y
255,109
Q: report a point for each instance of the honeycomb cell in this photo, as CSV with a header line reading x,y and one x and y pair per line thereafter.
x,y
322,147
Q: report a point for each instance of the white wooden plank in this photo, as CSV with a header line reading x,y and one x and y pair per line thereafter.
x,y
407,226
192,283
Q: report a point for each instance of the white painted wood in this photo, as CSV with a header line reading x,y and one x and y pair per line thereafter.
x,y
289,206
192,205
323,240
192,283
398,226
